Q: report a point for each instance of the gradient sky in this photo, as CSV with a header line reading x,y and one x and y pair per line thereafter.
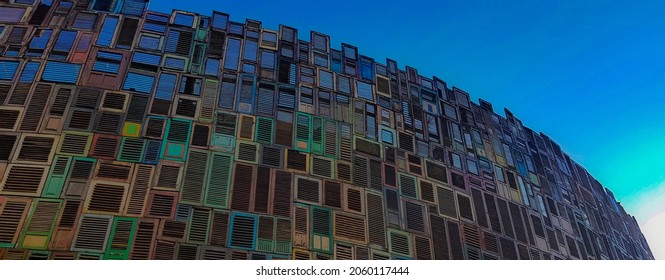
x,y
589,74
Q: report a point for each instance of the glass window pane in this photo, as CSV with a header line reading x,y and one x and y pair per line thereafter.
x,y
232,54
108,29
165,86
212,67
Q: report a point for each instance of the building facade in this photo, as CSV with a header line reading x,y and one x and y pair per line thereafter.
x,y
132,134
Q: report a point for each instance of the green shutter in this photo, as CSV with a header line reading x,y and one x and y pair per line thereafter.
x,y
321,229
317,135
303,137
57,177
131,149
39,226
266,234
176,142
219,180
122,237
265,130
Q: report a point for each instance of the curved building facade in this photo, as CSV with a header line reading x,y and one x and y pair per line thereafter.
x,y
132,134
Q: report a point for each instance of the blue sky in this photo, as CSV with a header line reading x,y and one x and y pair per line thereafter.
x,y
590,74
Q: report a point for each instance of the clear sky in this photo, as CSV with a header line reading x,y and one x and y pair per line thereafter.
x,y
589,74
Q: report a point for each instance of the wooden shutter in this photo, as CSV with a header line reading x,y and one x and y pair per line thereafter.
x,y
266,233
35,108
120,242
138,192
243,187
92,233
297,161
464,206
219,178
321,229
173,230
493,214
408,186
106,198
330,138
508,251
271,156
246,127
389,175
57,177
23,180
323,167
332,194
415,217
164,250
399,243
505,218
447,206
208,98
283,244
301,229
131,149
75,144
219,228
422,248
247,152
350,228
13,211
439,238
40,224
187,251
264,130
35,149
456,249
427,191
343,252
376,178
114,171
353,200
262,193
243,231
144,239
194,177
360,171
9,118
436,171
282,194
344,171
213,253
197,231
303,137
479,207
104,146
376,225
162,204
308,190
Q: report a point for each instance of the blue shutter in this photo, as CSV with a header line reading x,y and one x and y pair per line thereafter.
x,y
139,82
165,86
149,42
7,70
65,41
108,29
146,58
232,54
29,72
61,72
134,7
364,90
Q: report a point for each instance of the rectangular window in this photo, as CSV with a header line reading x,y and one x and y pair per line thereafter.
x,y
227,93
251,49
179,42
139,82
127,33
232,54
325,79
175,63
156,23
366,68
11,14
190,85
364,90
104,5
183,19
150,42
107,62
134,7
39,42
268,59
61,72
344,85
63,45
165,86
29,72
85,21
212,67
287,98
107,31
219,20
146,61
